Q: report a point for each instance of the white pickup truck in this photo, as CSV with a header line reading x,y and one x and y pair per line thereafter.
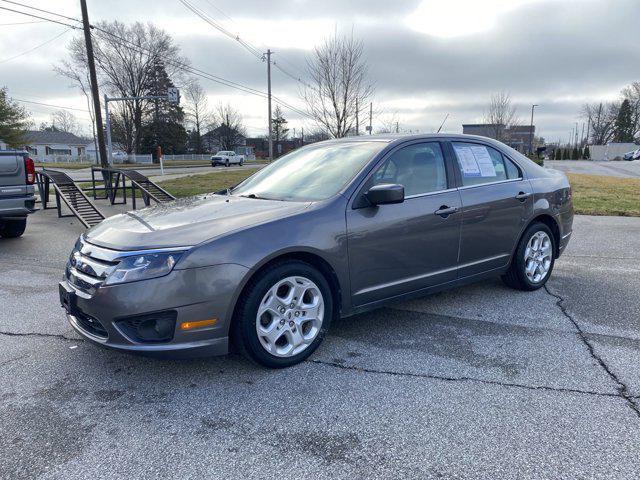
x,y
226,158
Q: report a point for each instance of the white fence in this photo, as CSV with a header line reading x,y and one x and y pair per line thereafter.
x,y
610,151
198,157
91,159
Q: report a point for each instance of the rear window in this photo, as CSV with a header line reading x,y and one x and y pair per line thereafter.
x,y
480,164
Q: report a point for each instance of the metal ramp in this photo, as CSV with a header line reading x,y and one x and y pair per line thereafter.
x,y
115,180
65,188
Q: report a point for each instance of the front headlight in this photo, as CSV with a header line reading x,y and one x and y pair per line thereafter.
x,y
142,267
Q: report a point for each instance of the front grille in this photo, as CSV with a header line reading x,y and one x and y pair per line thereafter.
x,y
89,265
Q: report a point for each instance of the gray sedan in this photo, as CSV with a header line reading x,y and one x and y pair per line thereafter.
x,y
331,229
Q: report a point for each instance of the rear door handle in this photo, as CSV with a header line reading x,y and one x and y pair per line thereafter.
x,y
445,211
522,196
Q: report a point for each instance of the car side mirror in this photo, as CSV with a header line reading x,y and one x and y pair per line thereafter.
x,y
385,194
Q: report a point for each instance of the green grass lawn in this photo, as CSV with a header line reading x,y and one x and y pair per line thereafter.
x,y
204,183
600,195
70,166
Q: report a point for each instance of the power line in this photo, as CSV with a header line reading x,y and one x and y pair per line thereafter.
x,y
49,105
43,11
21,23
188,68
36,16
36,47
204,16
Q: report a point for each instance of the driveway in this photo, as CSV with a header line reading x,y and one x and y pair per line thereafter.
x,y
480,382
610,169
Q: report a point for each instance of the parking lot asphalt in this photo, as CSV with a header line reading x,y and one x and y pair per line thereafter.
x,y
479,382
624,169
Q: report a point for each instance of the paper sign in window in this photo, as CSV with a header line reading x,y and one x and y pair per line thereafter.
x,y
485,163
468,162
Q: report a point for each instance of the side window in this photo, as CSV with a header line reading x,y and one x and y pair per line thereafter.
x,y
482,164
419,168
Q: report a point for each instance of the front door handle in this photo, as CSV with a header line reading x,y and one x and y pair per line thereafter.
x,y
522,196
444,211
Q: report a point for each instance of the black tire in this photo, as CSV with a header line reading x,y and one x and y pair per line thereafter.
x,y
241,162
213,165
12,228
516,276
244,334
226,164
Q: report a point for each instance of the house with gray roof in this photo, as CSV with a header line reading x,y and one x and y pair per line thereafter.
x,y
43,144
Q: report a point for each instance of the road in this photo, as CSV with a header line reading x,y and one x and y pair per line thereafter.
x,y
610,169
479,382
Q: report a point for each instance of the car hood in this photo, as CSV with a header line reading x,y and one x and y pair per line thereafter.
x,y
188,221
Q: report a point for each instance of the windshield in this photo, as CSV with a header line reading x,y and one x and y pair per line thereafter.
x,y
311,173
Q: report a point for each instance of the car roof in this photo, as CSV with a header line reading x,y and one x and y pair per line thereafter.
x,y
400,137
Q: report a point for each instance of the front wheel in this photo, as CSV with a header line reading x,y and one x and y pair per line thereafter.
x,y
283,315
534,258
12,228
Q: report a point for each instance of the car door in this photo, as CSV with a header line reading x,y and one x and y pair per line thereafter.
x,y
399,248
496,202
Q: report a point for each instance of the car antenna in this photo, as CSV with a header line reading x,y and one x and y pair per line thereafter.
x,y
442,124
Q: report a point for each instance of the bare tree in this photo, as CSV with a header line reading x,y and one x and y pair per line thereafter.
x,y
65,121
501,115
390,124
227,130
602,119
197,111
127,57
339,84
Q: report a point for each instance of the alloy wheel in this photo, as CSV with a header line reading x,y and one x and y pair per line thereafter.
x,y
290,316
538,257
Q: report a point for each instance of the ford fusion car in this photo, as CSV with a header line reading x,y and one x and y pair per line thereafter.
x,y
331,229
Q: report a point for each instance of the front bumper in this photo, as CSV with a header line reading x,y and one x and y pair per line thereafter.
x,y
194,294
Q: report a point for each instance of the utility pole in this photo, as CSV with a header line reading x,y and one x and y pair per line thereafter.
x,y
370,117
576,145
582,134
531,131
104,162
269,52
588,128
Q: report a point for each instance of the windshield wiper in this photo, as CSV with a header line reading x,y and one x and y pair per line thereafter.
x,y
253,195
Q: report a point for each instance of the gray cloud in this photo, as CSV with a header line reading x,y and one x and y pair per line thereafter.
x,y
556,54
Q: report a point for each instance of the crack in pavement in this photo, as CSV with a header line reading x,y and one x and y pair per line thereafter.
x,y
463,379
38,334
622,387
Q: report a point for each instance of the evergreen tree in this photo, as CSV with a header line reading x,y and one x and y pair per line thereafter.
x,y
164,124
575,154
587,153
624,125
279,125
14,120
557,154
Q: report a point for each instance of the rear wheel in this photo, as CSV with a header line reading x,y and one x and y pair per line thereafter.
x,y
284,314
241,162
226,163
534,258
12,228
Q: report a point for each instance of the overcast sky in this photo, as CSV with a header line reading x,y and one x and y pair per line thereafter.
x,y
427,58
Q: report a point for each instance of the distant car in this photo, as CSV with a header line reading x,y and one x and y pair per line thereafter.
x,y
17,200
635,155
119,156
226,158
